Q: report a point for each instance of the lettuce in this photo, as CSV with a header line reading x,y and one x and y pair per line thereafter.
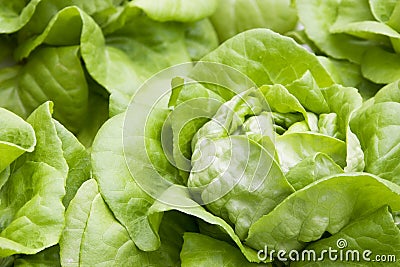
x,y
32,208
199,133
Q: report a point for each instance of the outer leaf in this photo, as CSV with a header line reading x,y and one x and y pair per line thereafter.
x,y
123,195
56,73
48,9
376,232
382,9
47,258
78,161
4,176
75,223
349,75
14,15
48,147
326,205
389,93
93,237
9,97
200,39
394,21
67,21
266,58
178,198
371,30
340,46
16,137
177,10
201,250
235,16
381,66
374,126
32,214
138,50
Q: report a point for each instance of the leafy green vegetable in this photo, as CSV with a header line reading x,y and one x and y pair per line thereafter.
x,y
238,16
126,199
32,213
16,137
89,220
197,246
177,10
14,15
375,230
198,133
340,199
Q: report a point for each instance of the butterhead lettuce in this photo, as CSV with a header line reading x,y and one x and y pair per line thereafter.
x,y
199,133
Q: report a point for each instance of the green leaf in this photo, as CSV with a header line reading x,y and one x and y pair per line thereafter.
x,y
49,257
56,74
349,75
381,66
194,106
63,30
32,213
48,146
376,232
371,30
295,147
177,10
201,250
328,124
97,114
47,10
75,222
9,97
7,262
352,11
16,138
78,161
4,175
389,93
343,101
178,198
308,93
318,16
126,199
233,17
138,50
200,39
50,73
266,58
241,183
326,205
382,9
281,100
14,15
394,21
93,237
231,115
374,126
312,169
